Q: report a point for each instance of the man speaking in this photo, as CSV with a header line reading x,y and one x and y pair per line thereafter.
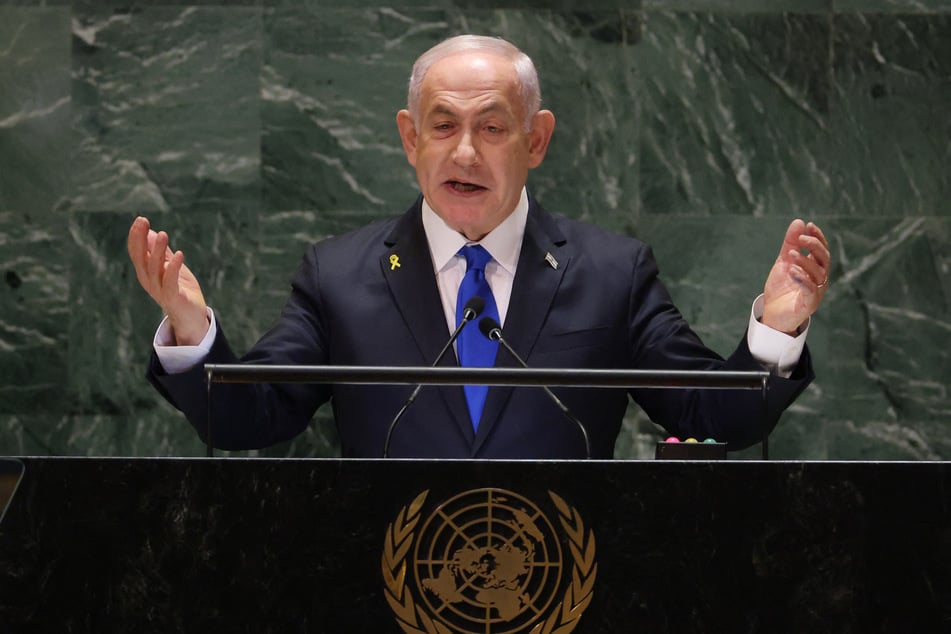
x,y
564,293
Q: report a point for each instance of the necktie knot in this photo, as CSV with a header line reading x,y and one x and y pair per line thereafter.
x,y
476,257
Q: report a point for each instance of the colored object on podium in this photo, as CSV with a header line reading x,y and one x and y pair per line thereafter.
x,y
690,449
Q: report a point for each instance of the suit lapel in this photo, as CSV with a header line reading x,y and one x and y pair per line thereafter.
x,y
533,291
407,267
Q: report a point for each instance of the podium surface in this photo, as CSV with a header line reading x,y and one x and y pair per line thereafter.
x,y
262,545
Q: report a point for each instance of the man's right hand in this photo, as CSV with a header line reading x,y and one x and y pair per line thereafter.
x,y
169,282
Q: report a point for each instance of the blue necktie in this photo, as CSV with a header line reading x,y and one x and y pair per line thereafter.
x,y
474,348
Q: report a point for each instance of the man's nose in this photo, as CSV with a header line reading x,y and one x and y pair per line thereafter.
x,y
465,153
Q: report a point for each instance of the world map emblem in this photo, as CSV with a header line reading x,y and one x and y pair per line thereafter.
x,y
488,561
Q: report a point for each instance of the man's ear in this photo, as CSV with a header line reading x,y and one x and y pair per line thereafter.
x,y
543,125
404,121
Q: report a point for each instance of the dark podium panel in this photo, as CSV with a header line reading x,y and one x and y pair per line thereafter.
x,y
239,545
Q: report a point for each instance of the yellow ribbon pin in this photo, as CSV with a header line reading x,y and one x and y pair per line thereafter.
x,y
394,262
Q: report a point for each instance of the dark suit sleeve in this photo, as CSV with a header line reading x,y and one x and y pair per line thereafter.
x,y
661,339
252,416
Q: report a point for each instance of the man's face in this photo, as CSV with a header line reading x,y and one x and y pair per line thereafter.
x,y
470,148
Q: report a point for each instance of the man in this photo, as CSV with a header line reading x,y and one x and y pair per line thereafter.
x,y
567,295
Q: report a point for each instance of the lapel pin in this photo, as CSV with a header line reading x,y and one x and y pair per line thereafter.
x,y
394,262
551,260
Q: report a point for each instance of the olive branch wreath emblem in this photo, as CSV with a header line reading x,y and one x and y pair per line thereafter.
x,y
413,619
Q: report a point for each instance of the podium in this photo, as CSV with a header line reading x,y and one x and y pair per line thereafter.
x,y
377,546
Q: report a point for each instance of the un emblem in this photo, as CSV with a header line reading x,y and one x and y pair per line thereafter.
x,y
488,561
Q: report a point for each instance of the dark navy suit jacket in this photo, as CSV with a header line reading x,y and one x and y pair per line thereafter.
x,y
602,307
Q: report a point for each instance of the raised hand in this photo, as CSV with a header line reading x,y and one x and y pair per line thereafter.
x,y
799,278
168,281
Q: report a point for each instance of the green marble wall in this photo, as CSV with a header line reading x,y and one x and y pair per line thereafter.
x,y
250,128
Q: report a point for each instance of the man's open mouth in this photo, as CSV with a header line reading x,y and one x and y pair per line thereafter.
x,y
464,188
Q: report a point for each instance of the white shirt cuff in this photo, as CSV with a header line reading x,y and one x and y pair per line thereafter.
x,y
776,351
177,359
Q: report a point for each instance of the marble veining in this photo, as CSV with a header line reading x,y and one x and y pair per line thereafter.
x,y
250,129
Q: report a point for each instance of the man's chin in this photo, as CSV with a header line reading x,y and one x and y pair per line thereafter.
x,y
470,222
463,208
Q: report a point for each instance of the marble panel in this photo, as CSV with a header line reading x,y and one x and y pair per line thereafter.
x,y
469,6
892,6
589,77
548,5
124,6
732,106
166,108
739,6
150,432
329,144
32,434
889,123
35,142
36,4
34,313
890,360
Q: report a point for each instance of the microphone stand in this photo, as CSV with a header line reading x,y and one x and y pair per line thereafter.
x,y
472,309
491,329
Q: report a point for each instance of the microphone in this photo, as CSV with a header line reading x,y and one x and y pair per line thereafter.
x,y
493,331
472,309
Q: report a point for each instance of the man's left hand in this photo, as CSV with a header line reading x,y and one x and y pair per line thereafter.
x,y
799,278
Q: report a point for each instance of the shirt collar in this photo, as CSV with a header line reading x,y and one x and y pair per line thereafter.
x,y
503,243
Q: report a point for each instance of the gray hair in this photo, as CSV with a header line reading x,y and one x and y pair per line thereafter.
x,y
528,86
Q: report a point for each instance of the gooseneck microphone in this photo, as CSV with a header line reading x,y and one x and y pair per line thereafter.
x,y
493,331
472,309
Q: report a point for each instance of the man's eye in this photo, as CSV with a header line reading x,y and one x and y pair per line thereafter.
x,y
492,129
443,126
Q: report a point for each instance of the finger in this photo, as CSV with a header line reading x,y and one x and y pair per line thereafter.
x,y
157,261
826,254
818,246
808,268
173,268
152,236
817,250
795,229
137,246
137,233
814,230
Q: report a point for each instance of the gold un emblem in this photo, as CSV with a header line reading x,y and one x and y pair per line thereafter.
x,y
488,561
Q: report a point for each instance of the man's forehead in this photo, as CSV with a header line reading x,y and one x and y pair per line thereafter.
x,y
488,104
471,80
471,71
